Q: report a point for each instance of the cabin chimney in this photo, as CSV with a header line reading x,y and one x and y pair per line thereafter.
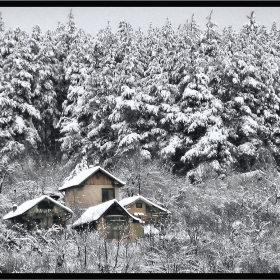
x,y
14,207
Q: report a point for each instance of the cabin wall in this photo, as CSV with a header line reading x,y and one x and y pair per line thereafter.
x,y
147,217
89,194
135,229
133,209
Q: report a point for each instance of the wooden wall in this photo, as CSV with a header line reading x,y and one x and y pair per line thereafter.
x,y
86,196
47,217
135,229
99,179
147,217
90,193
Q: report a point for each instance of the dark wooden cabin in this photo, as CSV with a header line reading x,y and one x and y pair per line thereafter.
x,y
43,212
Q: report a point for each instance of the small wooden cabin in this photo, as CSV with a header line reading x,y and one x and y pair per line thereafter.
x,y
91,187
43,212
145,209
112,220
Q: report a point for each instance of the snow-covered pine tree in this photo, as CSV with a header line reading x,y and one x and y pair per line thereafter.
x,y
79,65
72,51
44,95
128,108
17,111
197,127
159,90
183,57
247,90
85,119
2,24
62,40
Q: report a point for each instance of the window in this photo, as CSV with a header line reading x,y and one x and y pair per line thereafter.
x,y
108,194
139,205
45,204
149,209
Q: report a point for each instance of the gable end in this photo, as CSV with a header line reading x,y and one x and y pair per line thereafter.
x,y
98,178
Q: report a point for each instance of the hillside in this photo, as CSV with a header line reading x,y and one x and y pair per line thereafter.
x,y
217,225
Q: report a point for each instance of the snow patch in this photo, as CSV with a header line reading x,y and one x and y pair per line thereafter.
x,y
131,104
239,100
150,230
251,81
246,149
130,138
170,149
145,154
71,127
20,125
127,92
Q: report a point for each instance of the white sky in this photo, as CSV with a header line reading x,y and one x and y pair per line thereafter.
x,y
92,19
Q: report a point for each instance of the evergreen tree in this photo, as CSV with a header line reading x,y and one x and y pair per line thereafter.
x,y
18,132
45,97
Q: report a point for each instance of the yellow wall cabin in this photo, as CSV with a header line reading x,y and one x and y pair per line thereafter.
x,y
91,187
143,208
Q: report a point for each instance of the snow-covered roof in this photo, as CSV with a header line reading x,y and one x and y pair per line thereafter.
x,y
129,200
31,203
85,174
95,212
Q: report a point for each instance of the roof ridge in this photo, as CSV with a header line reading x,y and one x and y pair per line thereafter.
x,y
75,181
146,200
86,219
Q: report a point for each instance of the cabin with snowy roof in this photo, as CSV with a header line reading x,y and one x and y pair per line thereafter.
x,y
91,187
42,212
145,209
111,220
